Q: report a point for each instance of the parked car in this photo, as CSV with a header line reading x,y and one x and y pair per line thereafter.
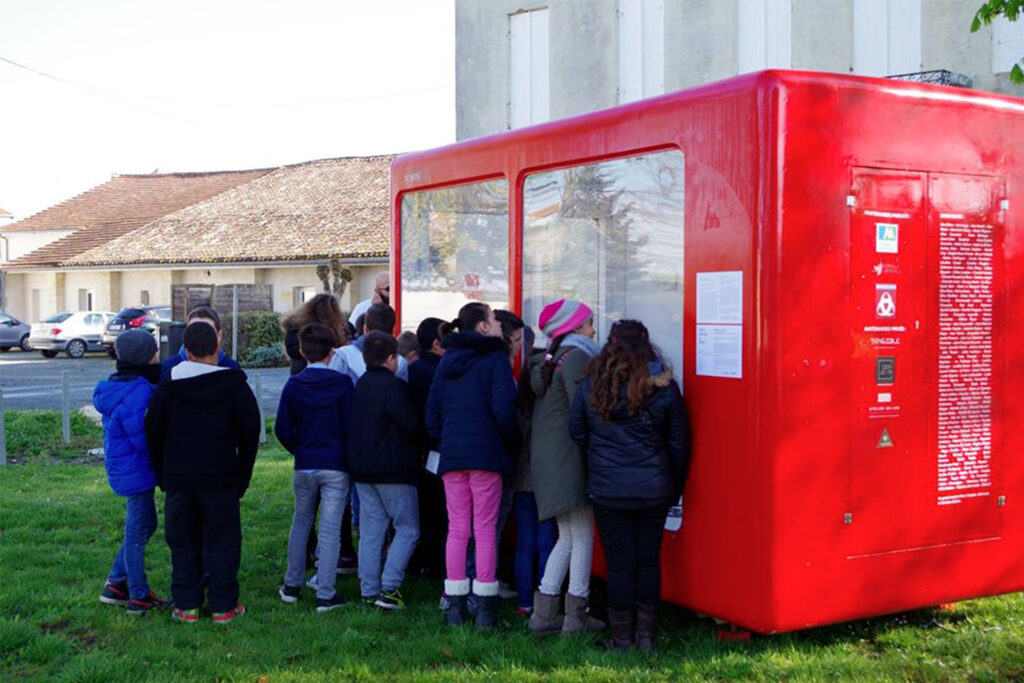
x,y
146,318
13,334
73,333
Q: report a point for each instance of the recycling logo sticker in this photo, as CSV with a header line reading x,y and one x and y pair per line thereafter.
x,y
885,301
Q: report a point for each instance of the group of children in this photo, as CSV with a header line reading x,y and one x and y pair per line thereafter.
x,y
434,443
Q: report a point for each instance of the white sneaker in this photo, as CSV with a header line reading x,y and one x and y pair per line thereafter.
x,y
506,592
311,583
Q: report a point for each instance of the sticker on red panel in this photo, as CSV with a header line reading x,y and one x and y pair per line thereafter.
x,y
885,441
887,238
885,301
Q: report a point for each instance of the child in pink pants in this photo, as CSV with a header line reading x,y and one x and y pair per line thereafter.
x,y
471,409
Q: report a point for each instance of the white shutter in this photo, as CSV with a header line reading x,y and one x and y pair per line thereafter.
x,y
529,98
904,36
540,97
654,47
631,62
886,37
764,35
1007,43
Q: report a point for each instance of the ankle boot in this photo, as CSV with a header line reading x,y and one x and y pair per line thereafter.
x,y
622,629
577,618
646,621
457,613
545,617
486,612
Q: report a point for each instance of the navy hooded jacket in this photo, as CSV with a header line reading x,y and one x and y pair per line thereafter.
x,y
471,407
312,418
122,401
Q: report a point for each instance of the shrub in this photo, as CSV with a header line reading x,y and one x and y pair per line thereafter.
x,y
257,329
265,357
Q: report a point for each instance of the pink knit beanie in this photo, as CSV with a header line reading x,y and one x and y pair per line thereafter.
x,y
563,316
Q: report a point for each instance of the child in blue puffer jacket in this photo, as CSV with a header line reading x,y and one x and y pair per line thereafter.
x,y
122,400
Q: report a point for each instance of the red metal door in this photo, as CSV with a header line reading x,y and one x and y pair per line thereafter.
x,y
888,304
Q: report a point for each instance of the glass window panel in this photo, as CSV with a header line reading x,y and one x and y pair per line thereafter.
x,y
454,250
609,234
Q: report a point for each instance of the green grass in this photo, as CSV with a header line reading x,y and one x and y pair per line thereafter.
x,y
34,435
60,526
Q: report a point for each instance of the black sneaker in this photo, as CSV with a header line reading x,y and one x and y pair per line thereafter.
x,y
390,600
289,594
348,565
369,601
327,604
139,606
115,593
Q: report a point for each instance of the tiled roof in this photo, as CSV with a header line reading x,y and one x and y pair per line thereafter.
x,y
117,207
308,211
5,214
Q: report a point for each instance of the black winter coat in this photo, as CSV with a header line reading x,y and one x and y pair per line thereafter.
x,y
382,440
421,375
643,457
203,432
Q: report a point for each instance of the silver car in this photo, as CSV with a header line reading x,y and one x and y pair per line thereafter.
x,y
73,333
13,334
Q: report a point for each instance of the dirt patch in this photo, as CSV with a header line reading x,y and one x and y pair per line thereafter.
x,y
55,627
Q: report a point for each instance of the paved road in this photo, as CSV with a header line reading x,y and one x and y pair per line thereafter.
x,y
31,382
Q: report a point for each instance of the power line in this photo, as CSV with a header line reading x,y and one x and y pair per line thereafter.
x,y
112,94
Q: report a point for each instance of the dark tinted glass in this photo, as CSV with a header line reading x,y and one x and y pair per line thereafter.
x,y
58,318
131,313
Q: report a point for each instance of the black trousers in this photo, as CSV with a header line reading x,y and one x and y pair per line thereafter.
x,y
429,553
632,548
204,531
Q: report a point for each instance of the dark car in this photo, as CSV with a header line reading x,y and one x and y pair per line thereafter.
x,y
146,318
13,334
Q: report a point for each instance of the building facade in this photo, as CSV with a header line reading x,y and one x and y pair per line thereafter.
x,y
521,62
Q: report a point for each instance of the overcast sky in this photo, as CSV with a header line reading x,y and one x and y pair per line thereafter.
x,y
131,86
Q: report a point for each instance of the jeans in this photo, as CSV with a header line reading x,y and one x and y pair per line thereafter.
x,y
204,533
332,487
473,499
536,539
380,506
130,562
632,548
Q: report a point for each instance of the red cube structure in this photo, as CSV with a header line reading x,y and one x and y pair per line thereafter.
x,y
834,265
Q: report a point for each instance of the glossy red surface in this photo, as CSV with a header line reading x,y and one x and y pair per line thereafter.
x,y
814,495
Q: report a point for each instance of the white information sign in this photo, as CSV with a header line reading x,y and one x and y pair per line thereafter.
x,y
720,324
720,298
720,350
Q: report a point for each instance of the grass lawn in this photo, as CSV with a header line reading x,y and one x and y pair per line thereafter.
x,y
60,526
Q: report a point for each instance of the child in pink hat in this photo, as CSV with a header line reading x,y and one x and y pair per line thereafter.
x,y
557,468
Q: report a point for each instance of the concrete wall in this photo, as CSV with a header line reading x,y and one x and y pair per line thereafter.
x,y
21,243
700,47
114,290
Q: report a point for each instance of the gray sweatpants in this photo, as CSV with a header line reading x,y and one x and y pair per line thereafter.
x,y
379,506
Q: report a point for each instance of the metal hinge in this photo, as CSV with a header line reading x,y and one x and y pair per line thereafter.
x,y
1001,501
848,518
1004,205
851,200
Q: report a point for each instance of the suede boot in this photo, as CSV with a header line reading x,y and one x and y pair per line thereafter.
x,y
622,629
486,612
457,592
457,613
486,598
646,622
577,618
546,618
